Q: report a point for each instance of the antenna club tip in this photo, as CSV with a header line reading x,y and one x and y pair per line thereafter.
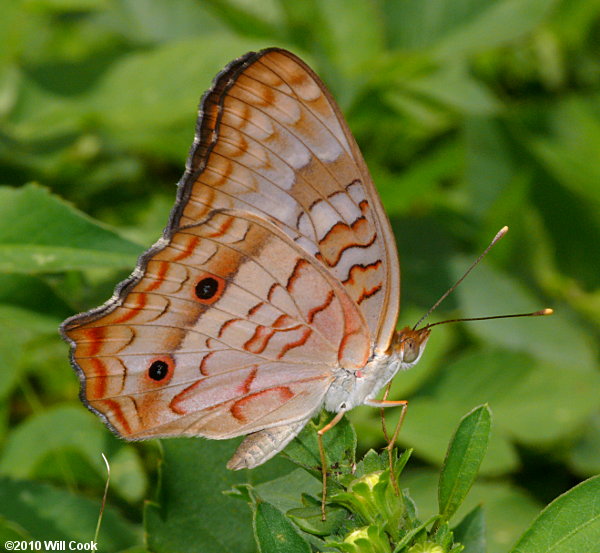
x,y
499,234
547,311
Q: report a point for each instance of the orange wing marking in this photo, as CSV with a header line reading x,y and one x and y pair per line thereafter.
x,y
283,392
254,309
223,228
362,269
114,407
132,311
260,339
225,325
95,337
163,267
295,273
189,249
368,293
313,312
299,342
333,245
96,387
244,387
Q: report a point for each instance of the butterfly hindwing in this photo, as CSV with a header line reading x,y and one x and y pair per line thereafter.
x,y
230,330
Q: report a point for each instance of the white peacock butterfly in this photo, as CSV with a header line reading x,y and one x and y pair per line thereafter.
x,y
274,290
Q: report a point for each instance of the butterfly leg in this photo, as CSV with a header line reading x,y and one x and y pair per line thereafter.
x,y
383,403
382,413
320,433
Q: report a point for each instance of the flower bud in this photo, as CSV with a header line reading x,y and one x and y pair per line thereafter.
x,y
369,539
427,547
373,498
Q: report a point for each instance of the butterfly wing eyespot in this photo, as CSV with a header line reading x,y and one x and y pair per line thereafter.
x,y
209,289
206,288
161,370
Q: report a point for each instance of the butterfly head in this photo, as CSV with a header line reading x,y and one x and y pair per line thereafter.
x,y
409,345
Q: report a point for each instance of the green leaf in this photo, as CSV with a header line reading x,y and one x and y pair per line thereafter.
x,y
285,492
339,443
42,443
157,111
498,23
548,403
34,294
244,21
470,531
127,474
585,455
42,233
533,401
508,510
37,436
464,457
68,5
417,184
463,27
354,35
452,87
570,523
274,531
565,151
159,21
187,516
490,168
20,327
47,513
191,513
430,441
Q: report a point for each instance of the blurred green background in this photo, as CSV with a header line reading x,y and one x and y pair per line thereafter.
x,y
471,114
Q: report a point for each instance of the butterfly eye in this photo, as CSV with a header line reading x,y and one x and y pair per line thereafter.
x,y
158,370
410,351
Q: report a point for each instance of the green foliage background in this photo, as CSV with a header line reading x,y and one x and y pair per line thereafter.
x,y
471,115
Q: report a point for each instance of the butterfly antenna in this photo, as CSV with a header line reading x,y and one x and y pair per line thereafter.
x,y
498,236
540,313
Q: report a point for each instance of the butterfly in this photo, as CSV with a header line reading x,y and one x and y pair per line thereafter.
x,y
274,290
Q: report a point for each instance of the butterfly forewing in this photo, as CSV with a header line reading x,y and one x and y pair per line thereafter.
x,y
272,141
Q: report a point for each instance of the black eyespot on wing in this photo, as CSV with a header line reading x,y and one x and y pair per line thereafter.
x,y
158,370
207,288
